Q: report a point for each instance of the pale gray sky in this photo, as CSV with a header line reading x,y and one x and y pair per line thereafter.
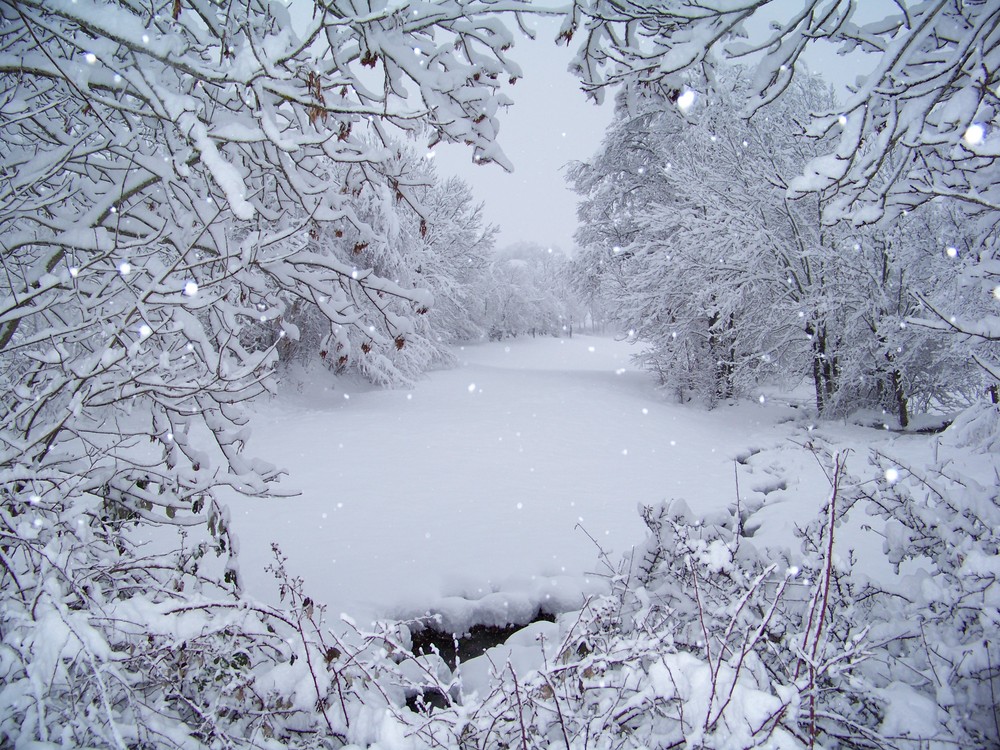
x,y
551,123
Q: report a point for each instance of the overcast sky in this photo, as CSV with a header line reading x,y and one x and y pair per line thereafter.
x,y
551,123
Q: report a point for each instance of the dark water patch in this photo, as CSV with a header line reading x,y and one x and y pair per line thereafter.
x,y
453,648
428,700
456,647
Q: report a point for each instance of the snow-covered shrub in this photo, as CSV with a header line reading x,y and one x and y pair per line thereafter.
x,y
942,532
104,643
727,645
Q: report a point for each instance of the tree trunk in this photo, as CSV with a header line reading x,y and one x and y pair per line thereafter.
x,y
723,362
818,384
824,368
900,398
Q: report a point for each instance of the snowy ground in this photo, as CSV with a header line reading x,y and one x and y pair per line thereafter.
x,y
464,495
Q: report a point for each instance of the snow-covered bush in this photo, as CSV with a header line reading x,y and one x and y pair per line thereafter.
x,y
942,532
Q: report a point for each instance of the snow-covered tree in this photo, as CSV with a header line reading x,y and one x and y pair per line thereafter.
x,y
886,278
719,266
168,168
455,263
928,98
730,280
529,293
423,233
921,122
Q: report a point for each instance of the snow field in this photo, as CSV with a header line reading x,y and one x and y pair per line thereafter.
x,y
468,496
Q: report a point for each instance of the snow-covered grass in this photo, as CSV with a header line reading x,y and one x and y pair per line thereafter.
x,y
475,494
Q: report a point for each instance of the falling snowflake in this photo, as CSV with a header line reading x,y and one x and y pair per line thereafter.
x,y
190,289
472,388
686,100
975,134
891,476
